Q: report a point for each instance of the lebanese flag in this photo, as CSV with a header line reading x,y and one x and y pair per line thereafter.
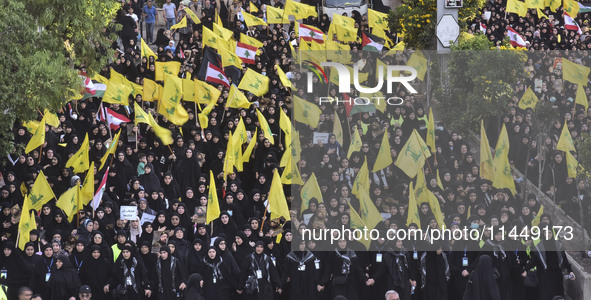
x,y
570,24
215,74
310,33
483,28
516,39
246,52
98,196
112,118
370,42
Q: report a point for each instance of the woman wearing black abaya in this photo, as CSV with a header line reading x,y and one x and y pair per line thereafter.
x,y
10,262
170,277
96,273
241,248
435,274
397,270
259,263
161,38
42,271
130,277
64,282
194,289
59,223
98,239
195,257
149,180
170,187
217,276
482,285
346,272
129,30
188,170
300,273
461,263
554,260
78,256
224,225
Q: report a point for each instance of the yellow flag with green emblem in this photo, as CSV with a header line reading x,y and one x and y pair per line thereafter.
x,y
204,92
252,20
528,100
118,89
413,208
87,189
357,223
361,182
162,133
265,127
226,34
536,221
581,98
503,174
571,7
384,158
412,156
537,4
337,129
284,80
575,73
230,58
254,82
146,51
553,4
111,149
41,192
571,164
51,119
356,142
285,124
291,174
38,137
502,147
344,34
565,142
169,67
518,7
203,116
79,161
418,61
310,190
275,15
151,90
68,202
306,112
236,99
26,224
250,40
188,89
250,147
213,205
298,10
368,211
192,15
277,201
377,19
487,168
179,25
170,104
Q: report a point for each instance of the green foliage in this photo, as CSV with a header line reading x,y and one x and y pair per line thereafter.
x,y
583,145
476,90
42,43
417,21
472,42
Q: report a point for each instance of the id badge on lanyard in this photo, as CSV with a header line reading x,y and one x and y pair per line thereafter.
x,y
47,275
415,255
317,264
3,274
464,261
259,274
379,257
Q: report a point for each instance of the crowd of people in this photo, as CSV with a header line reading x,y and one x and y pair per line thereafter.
x,y
244,254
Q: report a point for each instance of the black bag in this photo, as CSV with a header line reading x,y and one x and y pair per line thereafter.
x,y
531,280
251,285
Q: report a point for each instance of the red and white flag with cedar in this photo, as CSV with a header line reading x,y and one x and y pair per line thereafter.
x,y
571,24
516,39
112,118
310,33
246,52
98,196
216,75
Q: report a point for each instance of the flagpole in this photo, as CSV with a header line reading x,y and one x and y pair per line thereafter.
x,y
41,152
265,215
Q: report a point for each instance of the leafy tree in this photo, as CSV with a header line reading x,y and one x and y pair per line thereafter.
x,y
43,42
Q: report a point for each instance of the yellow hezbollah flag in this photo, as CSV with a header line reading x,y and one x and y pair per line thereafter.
x,y
356,143
41,192
203,116
398,47
192,15
565,142
553,4
265,127
357,223
146,51
423,194
226,34
87,190
536,220
582,97
179,25
51,119
118,89
298,10
537,4
384,158
571,7
431,131
252,20
291,174
254,82
575,73
285,123
141,116
284,80
418,61
231,157
213,205
275,15
277,201
38,138
79,161
502,147
540,13
503,174
236,99
337,129
188,88
25,225
204,92
528,100
230,58
151,90
306,112
111,149
377,19
239,136
361,182
345,34
68,201
250,147
253,8
412,156
169,67
170,104
250,40
310,190
571,164
518,7
413,209
487,168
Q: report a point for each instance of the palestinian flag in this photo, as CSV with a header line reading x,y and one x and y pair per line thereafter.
x,y
246,52
93,88
516,39
371,42
310,33
571,24
211,68
111,117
